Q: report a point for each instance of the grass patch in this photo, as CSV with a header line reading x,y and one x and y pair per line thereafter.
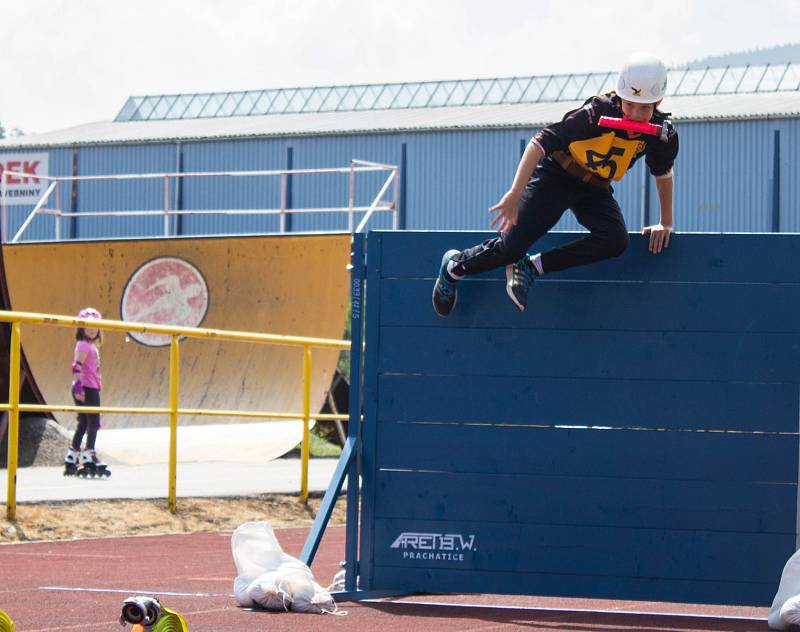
x,y
317,446
322,447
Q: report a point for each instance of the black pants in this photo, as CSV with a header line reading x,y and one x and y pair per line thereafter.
x,y
88,423
549,193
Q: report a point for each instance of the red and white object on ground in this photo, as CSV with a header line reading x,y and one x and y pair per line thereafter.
x,y
636,126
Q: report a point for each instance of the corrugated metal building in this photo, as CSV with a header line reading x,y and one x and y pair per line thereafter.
x,y
457,143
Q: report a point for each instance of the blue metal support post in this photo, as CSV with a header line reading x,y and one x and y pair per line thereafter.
x,y
776,183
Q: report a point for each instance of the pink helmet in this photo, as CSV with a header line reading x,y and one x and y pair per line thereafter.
x,y
89,313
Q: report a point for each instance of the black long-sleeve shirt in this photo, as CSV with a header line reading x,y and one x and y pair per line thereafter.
x,y
609,153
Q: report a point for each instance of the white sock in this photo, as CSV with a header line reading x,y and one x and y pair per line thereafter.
x,y
536,260
450,265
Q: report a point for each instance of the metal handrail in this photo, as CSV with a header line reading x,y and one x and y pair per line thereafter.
x,y
356,166
230,211
36,209
200,174
373,207
14,407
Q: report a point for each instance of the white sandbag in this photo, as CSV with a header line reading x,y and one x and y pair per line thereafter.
x,y
790,611
240,586
788,589
266,590
256,549
338,583
294,566
309,596
272,579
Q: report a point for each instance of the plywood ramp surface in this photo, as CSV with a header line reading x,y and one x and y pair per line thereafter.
x,y
295,285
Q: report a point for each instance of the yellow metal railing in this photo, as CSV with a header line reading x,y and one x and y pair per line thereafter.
x,y
174,410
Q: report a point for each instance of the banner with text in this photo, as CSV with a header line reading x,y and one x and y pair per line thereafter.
x,y
28,187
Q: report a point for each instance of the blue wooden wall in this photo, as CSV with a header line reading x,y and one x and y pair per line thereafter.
x,y
632,435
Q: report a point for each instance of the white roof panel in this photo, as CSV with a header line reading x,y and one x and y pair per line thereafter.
x,y
684,108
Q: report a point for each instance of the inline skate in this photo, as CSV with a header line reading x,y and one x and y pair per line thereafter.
x,y
92,466
71,462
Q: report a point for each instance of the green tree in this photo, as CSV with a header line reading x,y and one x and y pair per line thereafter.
x,y
2,131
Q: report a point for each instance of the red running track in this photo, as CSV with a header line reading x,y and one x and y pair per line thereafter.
x,y
80,585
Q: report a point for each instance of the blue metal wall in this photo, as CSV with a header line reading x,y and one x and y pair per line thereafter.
x,y
723,180
724,176
120,195
216,193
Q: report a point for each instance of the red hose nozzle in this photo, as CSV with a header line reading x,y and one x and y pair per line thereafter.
x,y
652,129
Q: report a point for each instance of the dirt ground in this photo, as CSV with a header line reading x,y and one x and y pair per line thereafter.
x,y
43,442
104,518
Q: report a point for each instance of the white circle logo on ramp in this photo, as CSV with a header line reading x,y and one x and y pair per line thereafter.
x,y
164,291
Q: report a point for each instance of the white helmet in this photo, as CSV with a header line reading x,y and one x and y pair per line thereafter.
x,y
643,79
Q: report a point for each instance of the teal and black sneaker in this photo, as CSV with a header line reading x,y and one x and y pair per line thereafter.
x,y
445,292
519,278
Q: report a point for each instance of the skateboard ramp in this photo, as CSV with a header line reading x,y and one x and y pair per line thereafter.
x,y
296,285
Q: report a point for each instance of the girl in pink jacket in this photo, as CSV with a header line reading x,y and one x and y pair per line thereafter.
x,y
86,386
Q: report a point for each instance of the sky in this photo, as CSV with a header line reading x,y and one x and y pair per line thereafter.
x,y
69,62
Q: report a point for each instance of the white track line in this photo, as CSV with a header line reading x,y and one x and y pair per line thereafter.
x,y
135,591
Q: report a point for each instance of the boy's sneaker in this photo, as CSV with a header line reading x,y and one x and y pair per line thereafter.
x,y
519,278
445,292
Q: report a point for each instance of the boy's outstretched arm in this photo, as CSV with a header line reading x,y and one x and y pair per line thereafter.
x,y
508,206
659,233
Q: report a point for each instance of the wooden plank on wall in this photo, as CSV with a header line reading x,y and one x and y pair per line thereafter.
x,y
707,258
582,549
756,357
638,501
600,305
705,456
580,585
681,404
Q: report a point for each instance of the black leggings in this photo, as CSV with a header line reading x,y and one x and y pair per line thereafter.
x,y
88,423
549,193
